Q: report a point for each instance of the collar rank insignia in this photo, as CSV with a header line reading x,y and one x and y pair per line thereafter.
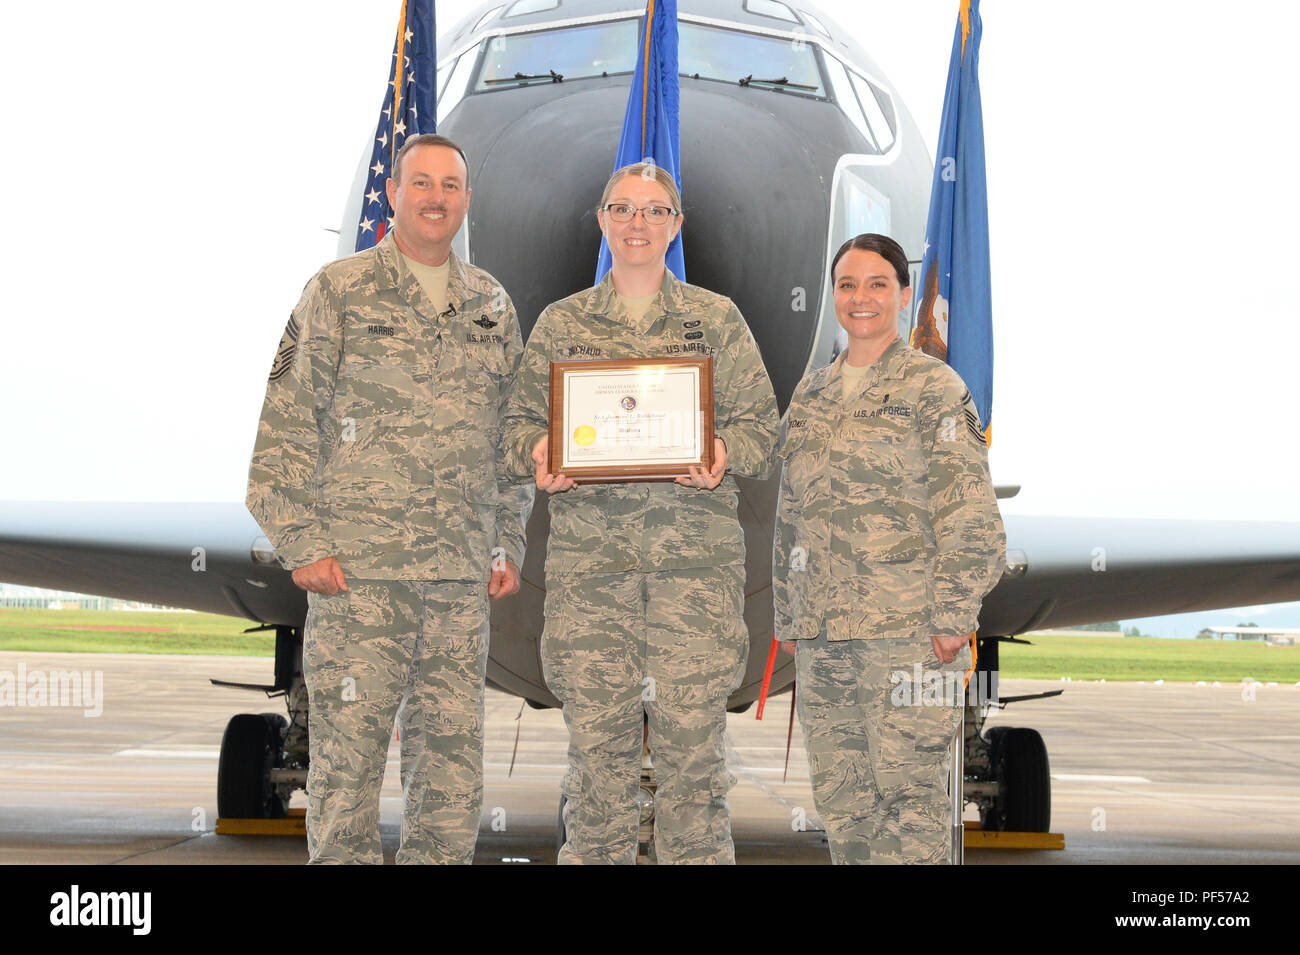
x,y
484,322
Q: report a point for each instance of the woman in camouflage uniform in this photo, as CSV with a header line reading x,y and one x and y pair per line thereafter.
x,y
887,539
645,581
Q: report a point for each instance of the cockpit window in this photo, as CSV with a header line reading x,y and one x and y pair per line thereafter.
x,y
886,105
453,88
716,54
487,16
606,49
870,96
523,59
847,99
814,23
771,8
520,7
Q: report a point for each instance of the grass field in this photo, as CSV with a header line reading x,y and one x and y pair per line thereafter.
x,y
1148,658
130,631
1050,658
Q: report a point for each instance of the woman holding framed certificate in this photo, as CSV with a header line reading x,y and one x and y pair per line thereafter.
x,y
644,636
888,537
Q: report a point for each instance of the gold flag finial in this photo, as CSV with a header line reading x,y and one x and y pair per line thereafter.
x,y
965,25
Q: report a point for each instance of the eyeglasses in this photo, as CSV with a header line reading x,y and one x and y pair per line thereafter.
x,y
653,215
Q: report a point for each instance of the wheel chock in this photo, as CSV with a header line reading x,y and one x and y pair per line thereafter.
x,y
294,824
977,837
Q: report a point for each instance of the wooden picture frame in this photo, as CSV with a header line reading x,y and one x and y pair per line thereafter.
x,y
630,419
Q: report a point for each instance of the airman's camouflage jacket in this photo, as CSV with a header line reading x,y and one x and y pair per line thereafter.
x,y
380,437
887,524
613,528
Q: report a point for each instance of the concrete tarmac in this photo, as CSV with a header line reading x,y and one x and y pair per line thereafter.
x,y
1142,773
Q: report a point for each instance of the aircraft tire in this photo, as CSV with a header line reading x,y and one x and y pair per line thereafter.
x,y
1021,763
993,736
250,747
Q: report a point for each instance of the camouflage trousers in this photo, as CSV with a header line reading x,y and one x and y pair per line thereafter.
x,y
417,651
878,733
671,646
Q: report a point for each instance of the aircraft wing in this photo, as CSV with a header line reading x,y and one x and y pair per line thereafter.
x,y
196,556
1068,571
1064,571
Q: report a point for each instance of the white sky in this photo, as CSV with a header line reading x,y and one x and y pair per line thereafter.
x,y
172,169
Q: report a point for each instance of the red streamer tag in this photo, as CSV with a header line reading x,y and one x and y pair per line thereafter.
x,y
767,679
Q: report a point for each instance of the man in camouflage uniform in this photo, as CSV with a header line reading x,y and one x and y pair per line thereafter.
x,y
888,537
377,474
645,600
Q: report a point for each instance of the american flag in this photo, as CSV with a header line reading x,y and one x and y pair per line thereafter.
x,y
410,108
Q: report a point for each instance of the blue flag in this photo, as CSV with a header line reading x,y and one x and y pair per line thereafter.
x,y
410,108
652,126
954,320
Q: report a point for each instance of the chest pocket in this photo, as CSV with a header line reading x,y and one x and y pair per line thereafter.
x,y
472,375
886,449
481,330
882,458
805,452
378,372
471,369
370,462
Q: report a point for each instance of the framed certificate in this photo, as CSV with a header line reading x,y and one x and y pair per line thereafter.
x,y
631,419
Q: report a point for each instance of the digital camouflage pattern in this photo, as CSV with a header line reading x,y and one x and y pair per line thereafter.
x,y
878,767
368,645
645,582
610,528
887,524
671,645
380,445
887,533
379,442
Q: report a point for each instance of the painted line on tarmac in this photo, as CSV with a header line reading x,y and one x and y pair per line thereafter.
x,y
213,753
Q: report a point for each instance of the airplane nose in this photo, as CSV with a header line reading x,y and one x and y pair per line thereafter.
x,y
754,201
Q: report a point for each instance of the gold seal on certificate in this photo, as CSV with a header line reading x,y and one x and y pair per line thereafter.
x,y
631,419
